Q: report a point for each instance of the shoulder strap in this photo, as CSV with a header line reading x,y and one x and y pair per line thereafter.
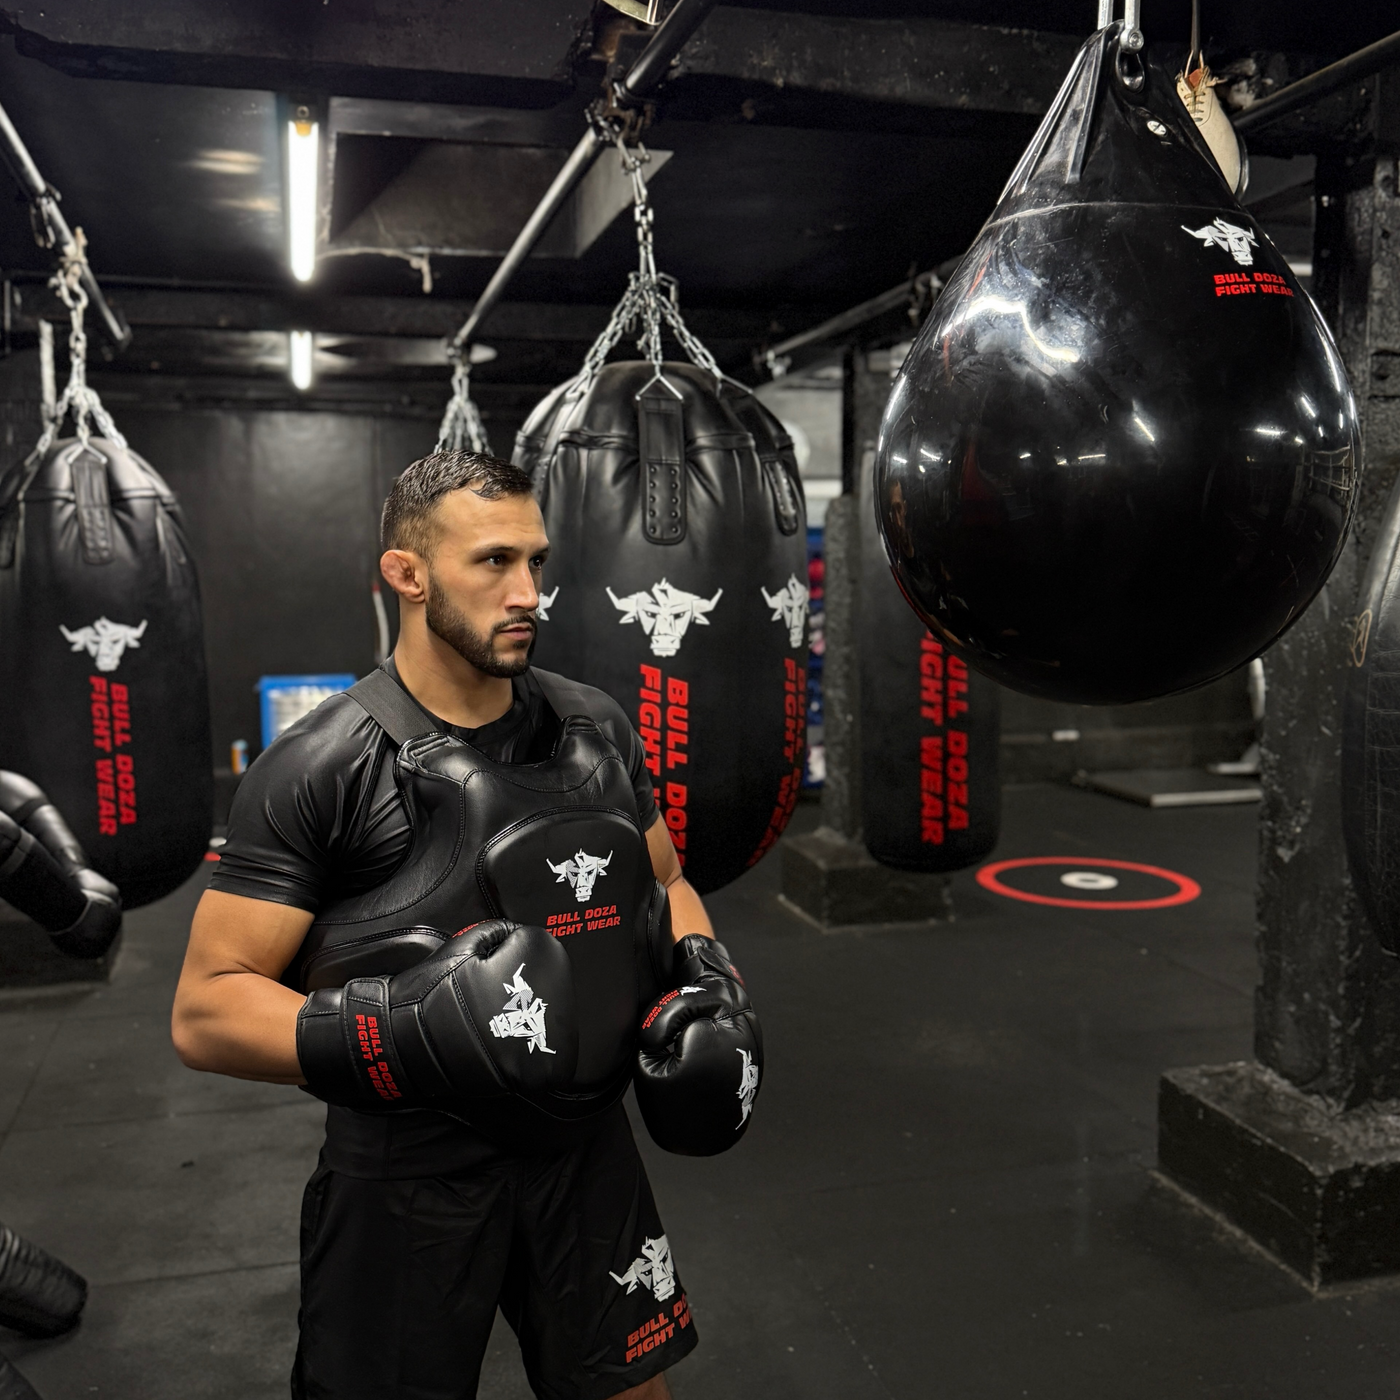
x,y
391,707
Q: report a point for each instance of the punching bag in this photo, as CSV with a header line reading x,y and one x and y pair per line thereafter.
x,y
930,730
1121,456
677,584
1371,738
102,646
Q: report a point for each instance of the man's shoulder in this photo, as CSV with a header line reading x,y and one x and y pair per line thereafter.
x,y
570,697
326,741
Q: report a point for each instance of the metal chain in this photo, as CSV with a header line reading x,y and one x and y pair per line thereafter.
x,y
652,298
78,398
462,428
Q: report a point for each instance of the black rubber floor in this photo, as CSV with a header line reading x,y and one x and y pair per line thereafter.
x,y
946,1193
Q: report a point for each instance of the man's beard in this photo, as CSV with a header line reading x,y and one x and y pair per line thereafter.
x,y
452,626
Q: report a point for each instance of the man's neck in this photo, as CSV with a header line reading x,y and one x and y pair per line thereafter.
x,y
447,685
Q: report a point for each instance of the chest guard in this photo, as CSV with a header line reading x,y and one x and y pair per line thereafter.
x,y
557,844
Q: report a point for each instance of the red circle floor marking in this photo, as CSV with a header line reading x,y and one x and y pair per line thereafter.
x,y
1186,888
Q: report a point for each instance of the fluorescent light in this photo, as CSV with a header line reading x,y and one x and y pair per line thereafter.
x,y
301,346
303,161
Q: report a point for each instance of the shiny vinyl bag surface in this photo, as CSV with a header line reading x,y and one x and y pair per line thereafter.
x,y
102,643
1120,458
677,583
930,731
1371,738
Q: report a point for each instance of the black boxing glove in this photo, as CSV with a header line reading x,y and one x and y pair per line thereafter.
x,y
79,909
490,1014
699,1055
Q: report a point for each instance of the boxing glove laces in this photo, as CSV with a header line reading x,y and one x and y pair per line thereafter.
x,y
699,1055
489,1015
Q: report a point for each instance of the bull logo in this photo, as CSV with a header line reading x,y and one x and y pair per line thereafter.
x,y
105,641
546,602
790,604
581,871
522,1017
665,613
654,1269
748,1088
1238,242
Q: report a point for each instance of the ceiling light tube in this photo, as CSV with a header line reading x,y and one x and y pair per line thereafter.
x,y
301,347
303,167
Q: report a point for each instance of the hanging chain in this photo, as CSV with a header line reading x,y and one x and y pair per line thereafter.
x,y
78,398
462,428
652,299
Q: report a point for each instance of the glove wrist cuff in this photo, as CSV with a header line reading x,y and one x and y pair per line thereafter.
x,y
345,1047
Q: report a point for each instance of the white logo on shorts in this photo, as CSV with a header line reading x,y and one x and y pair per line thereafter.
x,y
654,1270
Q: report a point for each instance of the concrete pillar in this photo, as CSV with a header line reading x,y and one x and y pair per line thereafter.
x,y
1301,1148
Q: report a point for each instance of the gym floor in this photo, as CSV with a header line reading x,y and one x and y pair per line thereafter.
x,y
947,1192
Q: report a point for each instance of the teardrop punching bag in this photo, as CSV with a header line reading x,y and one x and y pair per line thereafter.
x,y
930,730
1120,458
1371,738
102,645
674,583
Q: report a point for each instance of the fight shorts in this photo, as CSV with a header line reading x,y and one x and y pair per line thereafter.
x,y
401,1278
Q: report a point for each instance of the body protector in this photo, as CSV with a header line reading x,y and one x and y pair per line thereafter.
x,y
1121,456
930,729
678,585
102,637
555,844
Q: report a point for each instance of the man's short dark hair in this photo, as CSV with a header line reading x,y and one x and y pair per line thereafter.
x,y
410,512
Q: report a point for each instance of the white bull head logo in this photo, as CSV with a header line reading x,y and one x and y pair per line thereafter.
x,y
655,1270
105,641
790,604
522,1017
581,871
546,602
664,613
1238,242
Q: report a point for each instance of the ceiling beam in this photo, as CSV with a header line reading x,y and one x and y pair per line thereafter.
x,y
413,317
432,50
920,62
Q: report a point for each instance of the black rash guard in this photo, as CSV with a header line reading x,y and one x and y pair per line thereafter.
x,y
318,817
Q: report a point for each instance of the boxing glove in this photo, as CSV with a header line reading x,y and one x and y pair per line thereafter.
x,y
699,1055
44,873
489,1015
40,1296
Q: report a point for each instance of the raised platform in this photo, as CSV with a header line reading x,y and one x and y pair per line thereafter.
x,y
836,882
1318,1188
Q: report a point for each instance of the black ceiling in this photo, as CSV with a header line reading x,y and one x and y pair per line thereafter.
x,y
770,216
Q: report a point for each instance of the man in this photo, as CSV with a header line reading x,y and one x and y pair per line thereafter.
x,y
414,1225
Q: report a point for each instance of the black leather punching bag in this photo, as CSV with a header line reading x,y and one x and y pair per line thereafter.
x,y
930,729
1121,457
1371,738
677,584
102,647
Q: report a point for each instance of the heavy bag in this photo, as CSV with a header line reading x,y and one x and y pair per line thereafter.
x,y
102,641
1371,738
930,729
1121,457
676,583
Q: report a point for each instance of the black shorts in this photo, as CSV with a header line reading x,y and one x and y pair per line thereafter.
x,y
400,1280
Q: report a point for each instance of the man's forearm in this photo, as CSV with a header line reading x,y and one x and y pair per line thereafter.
x,y
241,1024
687,912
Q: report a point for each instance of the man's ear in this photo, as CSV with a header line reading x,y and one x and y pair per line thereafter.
x,y
406,573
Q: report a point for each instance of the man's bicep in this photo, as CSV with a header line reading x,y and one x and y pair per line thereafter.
x,y
232,933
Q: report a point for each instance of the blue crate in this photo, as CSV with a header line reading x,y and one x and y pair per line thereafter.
x,y
285,699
